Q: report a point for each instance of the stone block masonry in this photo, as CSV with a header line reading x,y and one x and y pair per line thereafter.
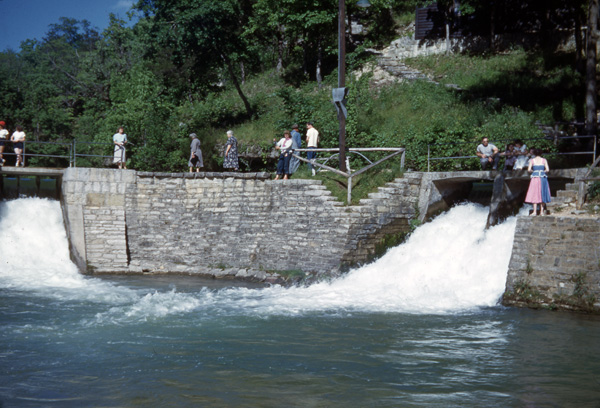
x,y
224,224
247,226
93,203
555,263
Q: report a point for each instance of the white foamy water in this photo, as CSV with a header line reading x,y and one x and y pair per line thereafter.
x,y
448,265
34,255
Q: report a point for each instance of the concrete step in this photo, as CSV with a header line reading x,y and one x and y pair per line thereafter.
x,y
567,194
388,190
572,186
380,196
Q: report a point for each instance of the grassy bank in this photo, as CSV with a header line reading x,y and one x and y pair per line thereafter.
x,y
498,96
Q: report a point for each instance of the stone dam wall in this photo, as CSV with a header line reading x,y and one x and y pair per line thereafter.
x,y
555,263
246,226
237,225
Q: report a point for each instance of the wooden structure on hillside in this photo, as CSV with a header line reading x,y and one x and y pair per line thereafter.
x,y
430,22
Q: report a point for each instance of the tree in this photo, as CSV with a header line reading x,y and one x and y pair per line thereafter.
x,y
591,116
202,33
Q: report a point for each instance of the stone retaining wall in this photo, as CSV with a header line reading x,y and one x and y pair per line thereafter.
x,y
224,224
555,263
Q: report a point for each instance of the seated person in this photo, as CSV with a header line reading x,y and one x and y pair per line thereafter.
x,y
522,153
511,157
488,154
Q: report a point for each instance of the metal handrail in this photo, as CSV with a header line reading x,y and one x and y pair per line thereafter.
x,y
349,173
71,148
581,191
76,155
24,154
429,158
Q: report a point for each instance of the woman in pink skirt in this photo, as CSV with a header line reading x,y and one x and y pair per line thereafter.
x,y
539,189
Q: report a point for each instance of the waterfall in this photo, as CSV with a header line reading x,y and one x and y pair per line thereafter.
x,y
449,265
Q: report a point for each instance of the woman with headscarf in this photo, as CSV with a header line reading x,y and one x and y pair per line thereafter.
x,y
195,153
296,144
231,153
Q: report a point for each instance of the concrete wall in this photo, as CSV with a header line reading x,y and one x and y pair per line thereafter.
x,y
248,226
239,224
555,263
93,203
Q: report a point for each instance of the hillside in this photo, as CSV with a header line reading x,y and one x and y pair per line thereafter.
x,y
257,67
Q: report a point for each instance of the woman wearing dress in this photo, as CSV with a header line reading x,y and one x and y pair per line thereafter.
x,y
539,189
195,154
283,165
18,139
119,139
521,152
231,153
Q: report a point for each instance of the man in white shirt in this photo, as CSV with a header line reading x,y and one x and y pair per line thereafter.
x,y
488,154
312,141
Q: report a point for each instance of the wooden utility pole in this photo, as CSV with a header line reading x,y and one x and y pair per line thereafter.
x,y
342,79
591,116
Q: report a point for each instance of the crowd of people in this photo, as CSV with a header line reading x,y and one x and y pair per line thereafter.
x,y
287,164
517,157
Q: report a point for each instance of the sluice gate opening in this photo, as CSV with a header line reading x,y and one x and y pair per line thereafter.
x,y
450,191
42,183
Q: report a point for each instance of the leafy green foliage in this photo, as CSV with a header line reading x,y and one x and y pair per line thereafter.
x,y
206,66
594,190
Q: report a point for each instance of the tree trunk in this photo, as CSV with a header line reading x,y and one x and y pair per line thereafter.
x,y
280,50
319,63
189,90
591,117
349,25
493,26
304,59
447,37
579,51
236,83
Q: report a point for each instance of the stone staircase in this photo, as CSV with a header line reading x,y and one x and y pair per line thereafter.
x,y
394,65
391,58
564,198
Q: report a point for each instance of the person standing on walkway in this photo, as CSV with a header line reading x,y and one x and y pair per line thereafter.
x,y
312,142
231,153
283,165
296,144
3,140
195,153
539,189
120,139
488,154
18,139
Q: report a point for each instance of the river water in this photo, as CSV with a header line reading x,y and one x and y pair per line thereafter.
x,y
420,327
